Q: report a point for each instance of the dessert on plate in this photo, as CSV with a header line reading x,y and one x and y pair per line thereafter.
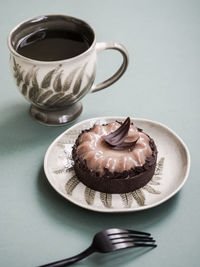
x,y
114,158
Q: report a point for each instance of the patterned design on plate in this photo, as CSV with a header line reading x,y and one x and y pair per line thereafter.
x,y
106,199
59,171
152,182
127,199
159,167
139,197
150,189
71,184
69,139
89,195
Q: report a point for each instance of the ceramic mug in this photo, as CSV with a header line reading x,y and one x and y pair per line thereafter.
x,y
54,88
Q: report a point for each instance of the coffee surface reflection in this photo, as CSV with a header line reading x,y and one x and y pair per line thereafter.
x,y
53,45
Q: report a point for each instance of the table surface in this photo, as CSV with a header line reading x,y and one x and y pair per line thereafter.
x,y
161,83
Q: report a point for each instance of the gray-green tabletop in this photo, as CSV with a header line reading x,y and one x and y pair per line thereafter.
x,y
161,83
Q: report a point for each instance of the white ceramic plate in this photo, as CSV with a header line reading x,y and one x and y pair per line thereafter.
x,y
171,173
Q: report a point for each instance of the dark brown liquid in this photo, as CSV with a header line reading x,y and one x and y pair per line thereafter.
x,y
52,45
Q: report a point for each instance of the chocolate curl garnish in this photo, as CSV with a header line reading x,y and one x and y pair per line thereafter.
x,y
119,135
116,138
125,145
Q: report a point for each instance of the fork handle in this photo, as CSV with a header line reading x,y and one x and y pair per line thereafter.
x,y
71,260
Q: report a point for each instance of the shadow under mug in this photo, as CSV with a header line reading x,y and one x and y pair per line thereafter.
x,y
54,88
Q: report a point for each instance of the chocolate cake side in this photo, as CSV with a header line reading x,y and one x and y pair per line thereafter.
x,y
115,182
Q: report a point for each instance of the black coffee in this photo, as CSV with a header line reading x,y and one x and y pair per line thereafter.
x,y
52,45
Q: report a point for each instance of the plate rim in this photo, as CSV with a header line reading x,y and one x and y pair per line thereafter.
x,y
121,210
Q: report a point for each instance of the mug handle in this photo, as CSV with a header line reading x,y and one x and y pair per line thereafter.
x,y
116,46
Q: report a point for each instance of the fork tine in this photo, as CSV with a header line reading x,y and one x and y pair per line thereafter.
x,y
114,231
123,246
112,237
119,240
146,245
138,232
131,245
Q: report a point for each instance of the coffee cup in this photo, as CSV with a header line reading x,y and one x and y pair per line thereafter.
x,y
53,60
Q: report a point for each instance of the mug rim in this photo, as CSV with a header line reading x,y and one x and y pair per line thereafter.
x,y
14,52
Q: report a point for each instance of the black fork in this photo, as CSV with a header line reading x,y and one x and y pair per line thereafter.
x,y
110,240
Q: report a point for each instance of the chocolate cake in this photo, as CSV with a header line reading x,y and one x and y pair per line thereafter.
x,y
115,157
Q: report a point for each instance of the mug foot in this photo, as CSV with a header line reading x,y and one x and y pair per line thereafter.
x,y
56,117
